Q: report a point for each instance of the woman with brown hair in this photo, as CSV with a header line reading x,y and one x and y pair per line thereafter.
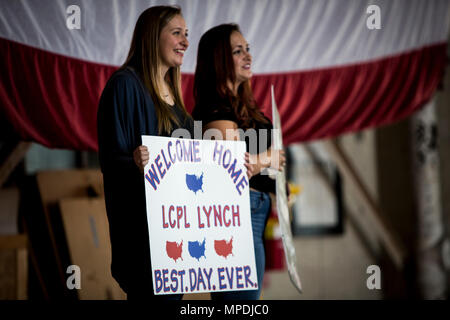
x,y
142,98
224,102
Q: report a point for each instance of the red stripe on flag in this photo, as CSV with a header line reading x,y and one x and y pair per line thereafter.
x,y
52,99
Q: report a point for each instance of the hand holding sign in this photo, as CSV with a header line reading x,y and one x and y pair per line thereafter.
x,y
140,157
272,160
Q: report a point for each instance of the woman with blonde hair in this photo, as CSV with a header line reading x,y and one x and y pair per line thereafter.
x,y
143,97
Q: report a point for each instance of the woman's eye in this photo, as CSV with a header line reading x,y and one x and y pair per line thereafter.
x,y
237,52
176,33
248,49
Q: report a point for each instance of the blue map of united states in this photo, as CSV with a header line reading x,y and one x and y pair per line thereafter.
x,y
197,249
194,183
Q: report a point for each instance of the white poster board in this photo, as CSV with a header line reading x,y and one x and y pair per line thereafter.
x,y
282,202
198,212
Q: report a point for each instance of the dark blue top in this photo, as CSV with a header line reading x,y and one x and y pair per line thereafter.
x,y
126,111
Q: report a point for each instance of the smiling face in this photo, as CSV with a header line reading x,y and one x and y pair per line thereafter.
x,y
241,57
173,43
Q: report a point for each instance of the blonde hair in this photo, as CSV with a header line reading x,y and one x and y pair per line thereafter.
x,y
144,54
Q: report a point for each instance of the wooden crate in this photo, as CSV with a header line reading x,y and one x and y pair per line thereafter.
x,y
13,267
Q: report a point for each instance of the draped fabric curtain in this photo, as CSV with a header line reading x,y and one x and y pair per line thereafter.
x,y
332,74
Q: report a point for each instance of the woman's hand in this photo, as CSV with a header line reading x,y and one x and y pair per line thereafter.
x,y
277,159
250,167
141,157
255,163
274,159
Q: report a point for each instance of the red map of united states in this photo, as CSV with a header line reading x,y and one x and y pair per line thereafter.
x,y
174,250
224,248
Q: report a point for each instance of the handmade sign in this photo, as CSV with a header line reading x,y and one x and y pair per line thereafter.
x,y
198,211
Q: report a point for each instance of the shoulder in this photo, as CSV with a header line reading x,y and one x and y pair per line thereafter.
x,y
123,78
125,93
267,124
214,111
124,86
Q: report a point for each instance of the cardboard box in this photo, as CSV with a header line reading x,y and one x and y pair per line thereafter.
x,y
87,233
13,267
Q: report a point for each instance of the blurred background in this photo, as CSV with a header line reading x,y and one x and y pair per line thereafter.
x,y
362,89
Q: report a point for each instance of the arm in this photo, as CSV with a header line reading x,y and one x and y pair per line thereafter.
x,y
119,133
227,128
270,158
254,163
228,131
141,157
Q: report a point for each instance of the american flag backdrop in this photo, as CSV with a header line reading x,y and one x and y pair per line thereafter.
x,y
331,71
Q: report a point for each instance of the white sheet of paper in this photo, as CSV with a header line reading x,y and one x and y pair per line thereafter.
x,y
282,202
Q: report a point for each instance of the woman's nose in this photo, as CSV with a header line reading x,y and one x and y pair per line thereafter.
x,y
185,42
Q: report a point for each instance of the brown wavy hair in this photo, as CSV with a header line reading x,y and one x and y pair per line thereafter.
x,y
215,67
144,56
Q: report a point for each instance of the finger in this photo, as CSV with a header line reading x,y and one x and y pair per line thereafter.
x,y
249,160
249,169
